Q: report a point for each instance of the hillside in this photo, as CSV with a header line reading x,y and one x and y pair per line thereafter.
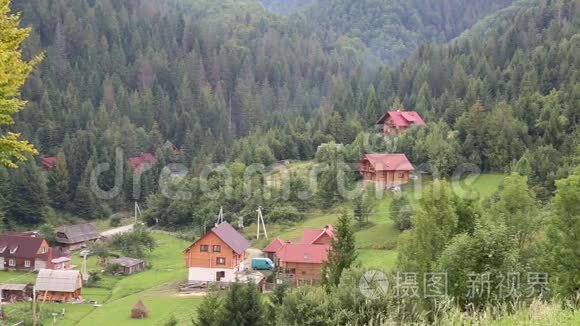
x,y
393,29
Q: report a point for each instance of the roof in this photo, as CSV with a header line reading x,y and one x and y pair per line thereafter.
x,y
58,280
19,246
402,118
303,253
231,237
143,158
13,287
77,233
311,235
127,261
389,162
60,260
275,245
234,239
48,162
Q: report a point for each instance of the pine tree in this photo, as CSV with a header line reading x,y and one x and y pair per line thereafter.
x,y
58,182
25,195
13,73
342,253
563,234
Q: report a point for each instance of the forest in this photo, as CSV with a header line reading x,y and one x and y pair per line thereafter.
x,y
246,87
503,97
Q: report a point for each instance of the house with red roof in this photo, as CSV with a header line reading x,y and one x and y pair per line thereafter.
x,y
29,252
47,162
217,256
137,163
397,121
389,170
302,260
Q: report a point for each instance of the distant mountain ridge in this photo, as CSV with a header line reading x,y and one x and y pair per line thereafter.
x,y
392,29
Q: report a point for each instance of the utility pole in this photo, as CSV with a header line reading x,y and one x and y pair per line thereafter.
x,y
137,211
84,268
220,218
261,220
34,305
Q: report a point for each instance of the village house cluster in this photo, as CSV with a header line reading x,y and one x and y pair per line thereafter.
x,y
57,280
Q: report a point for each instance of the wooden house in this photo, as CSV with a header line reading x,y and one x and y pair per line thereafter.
x,y
273,247
139,163
48,162
15,292
26,252
217,256
388,170
75,237
129,265
58,285
302,260
393,122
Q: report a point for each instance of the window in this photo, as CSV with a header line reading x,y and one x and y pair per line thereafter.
x,y
27,263
13,249
42,250
217,248
204,248
401,174
11,262
2,249
220,261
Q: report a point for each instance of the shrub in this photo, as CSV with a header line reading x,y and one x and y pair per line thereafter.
x,y
285,213
115,220
401,212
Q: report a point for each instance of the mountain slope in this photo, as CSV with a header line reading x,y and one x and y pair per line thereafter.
x,y
393,29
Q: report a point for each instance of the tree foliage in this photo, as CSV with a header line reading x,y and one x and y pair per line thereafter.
x,y
14,70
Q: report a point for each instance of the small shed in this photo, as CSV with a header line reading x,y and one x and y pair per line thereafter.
x,y
129,265
73,237
58,285
139,311
15,292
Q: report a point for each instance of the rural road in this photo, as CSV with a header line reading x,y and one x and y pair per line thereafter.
x,y
119,230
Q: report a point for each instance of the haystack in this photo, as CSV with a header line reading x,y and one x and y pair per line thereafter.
x,y
139,311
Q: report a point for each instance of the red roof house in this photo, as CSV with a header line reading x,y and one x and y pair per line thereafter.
x,y
388,169
137,162
48,162
396,121
217,255
26,252
302,260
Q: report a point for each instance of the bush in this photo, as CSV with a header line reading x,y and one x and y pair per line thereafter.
x,y
286,213
115,220
112,268
401,212
172,321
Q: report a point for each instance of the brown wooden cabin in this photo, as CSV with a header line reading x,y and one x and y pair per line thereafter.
x,y
75,237
58,285
129,265
217,255
15,292
302,261
389,170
